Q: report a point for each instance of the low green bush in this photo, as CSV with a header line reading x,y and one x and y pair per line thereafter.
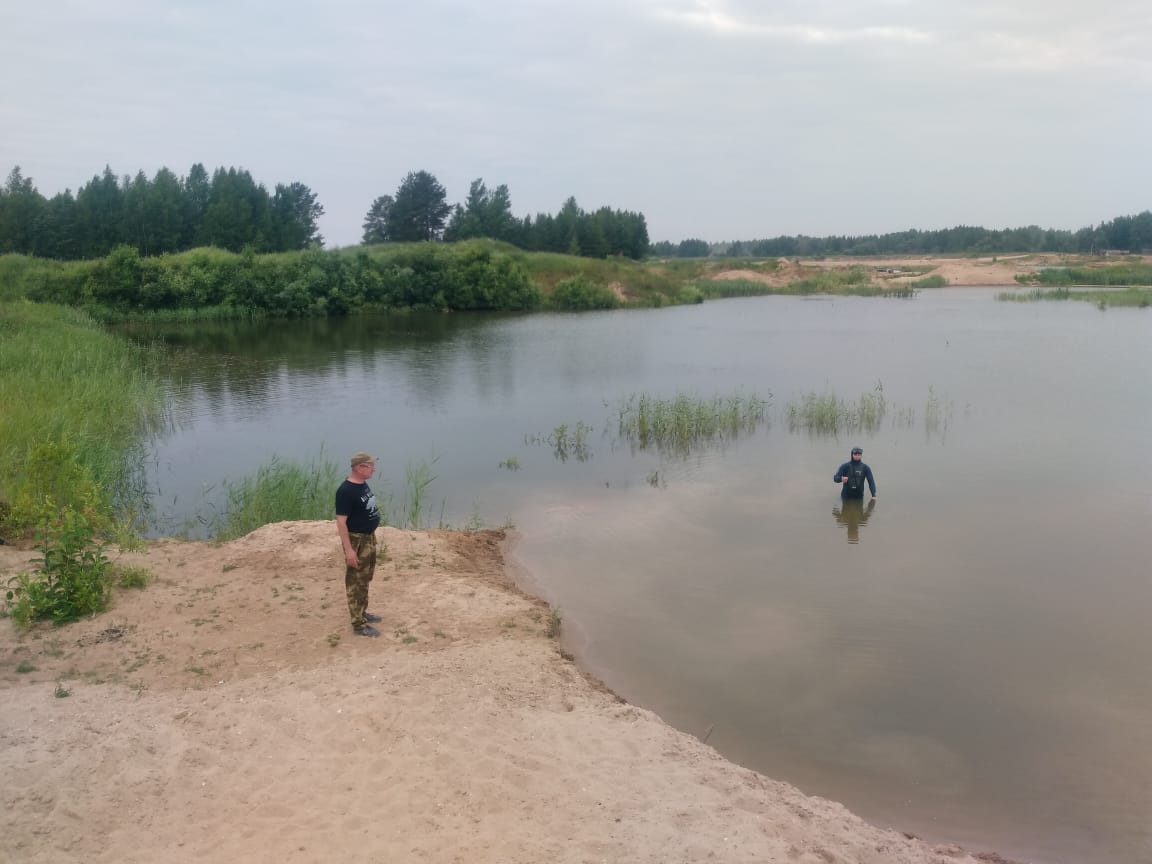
x,y
71,578
310,283
578,293
131,577
54,481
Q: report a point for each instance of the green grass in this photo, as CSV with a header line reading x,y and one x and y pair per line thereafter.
x,y
63,378
827,414
282,491
554,624
20,272
1138,297
642,283
1132,274
279,491
417,477
131,577
934,281
682,423
853,281
582,282
181,316
556,281
566,441
936,414
717,289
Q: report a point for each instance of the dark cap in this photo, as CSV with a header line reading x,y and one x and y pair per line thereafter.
x,y
857,451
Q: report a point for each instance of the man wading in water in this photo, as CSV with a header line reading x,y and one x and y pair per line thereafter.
x,y
852,476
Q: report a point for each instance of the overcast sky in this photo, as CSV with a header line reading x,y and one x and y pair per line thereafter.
x,y
718,119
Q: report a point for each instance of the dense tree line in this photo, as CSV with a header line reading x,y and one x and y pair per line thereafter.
x,y
164,213
419,211
1128,233
314,282
693,247
230,210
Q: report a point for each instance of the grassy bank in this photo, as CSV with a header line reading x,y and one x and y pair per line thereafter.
x,y
851,281
473,275
78,403
1126,284
1127,275
1135,296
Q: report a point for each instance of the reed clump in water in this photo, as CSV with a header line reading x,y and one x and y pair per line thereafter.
x,y
278,491
1138,297
566,441
827,414
684,422
282,491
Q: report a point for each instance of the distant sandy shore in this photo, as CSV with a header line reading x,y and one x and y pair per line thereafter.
x,y
226,713
992,270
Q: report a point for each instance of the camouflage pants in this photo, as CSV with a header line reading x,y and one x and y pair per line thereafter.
x,y
356,579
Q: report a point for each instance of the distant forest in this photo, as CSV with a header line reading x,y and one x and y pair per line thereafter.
x,y
155,215
420,211
230,210
1126,233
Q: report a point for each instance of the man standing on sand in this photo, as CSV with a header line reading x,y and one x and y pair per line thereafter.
x,y
357,518
852,476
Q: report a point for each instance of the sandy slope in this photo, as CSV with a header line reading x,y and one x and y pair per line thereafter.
x,y
226,713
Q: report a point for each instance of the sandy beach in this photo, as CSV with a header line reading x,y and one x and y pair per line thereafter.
x,y
895,271
227,713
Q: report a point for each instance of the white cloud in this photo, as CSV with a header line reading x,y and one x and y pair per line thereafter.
x,y
1027,34
715,16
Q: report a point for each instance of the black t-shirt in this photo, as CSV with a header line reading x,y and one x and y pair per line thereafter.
x,y
356,501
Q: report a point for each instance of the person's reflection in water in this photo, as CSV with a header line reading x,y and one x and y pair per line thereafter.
x,y
852,513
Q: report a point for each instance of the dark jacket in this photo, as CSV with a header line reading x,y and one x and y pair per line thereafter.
x,y
858,474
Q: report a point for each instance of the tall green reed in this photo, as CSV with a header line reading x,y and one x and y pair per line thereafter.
x,y
682,423
1138,297
417,477
65,381
827,414
279,491
283,491
566,441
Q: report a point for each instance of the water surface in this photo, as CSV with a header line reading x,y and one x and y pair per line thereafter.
x,y
966,659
